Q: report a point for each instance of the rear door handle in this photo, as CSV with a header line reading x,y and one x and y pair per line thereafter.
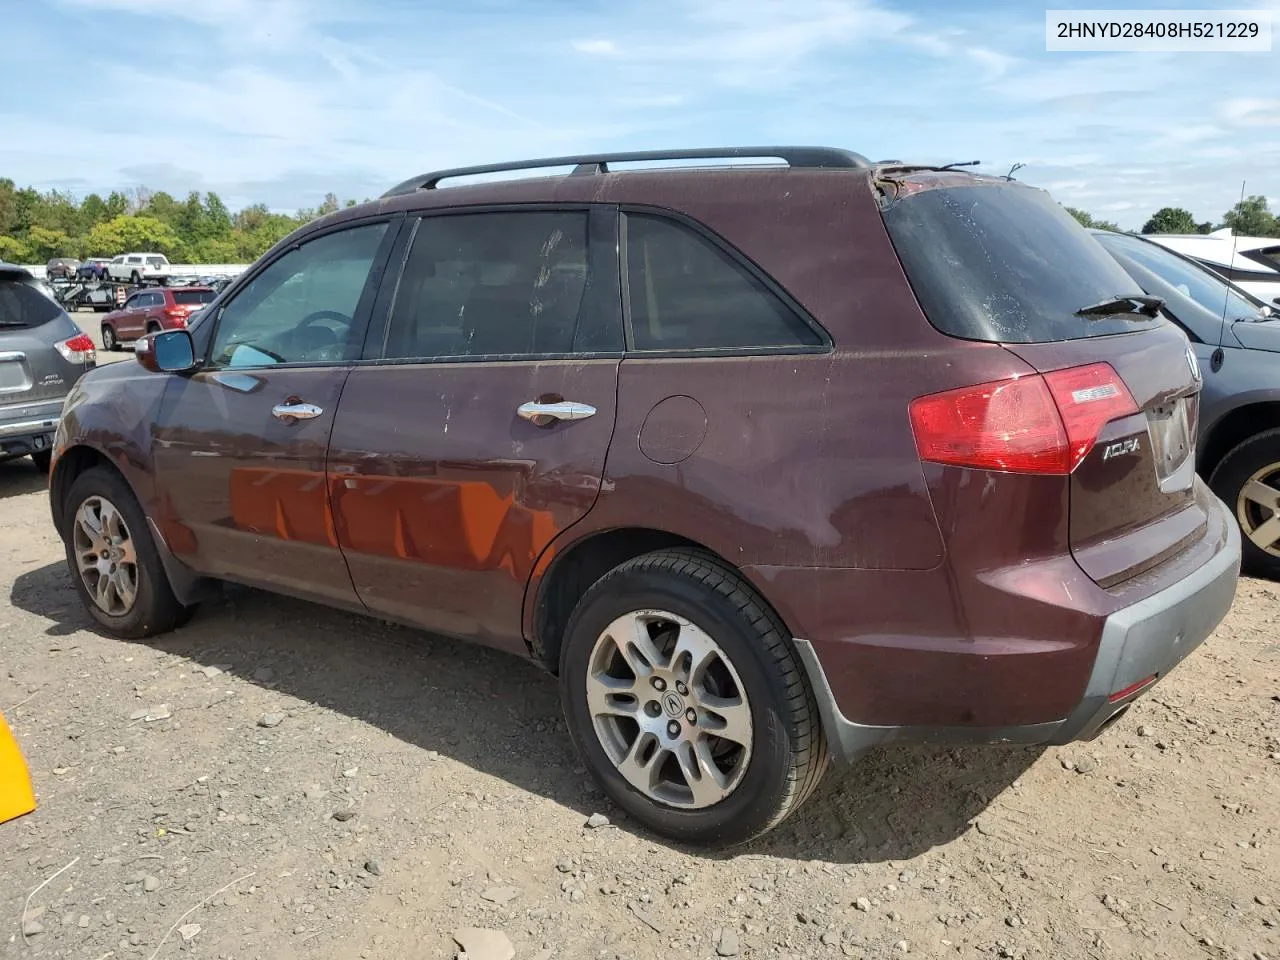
x,y
296,411
561,410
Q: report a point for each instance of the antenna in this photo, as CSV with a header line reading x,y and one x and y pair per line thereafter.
x,y
1215,362
1014,169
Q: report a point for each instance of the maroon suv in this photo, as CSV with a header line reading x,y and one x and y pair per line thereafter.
x,y
765,463
151,310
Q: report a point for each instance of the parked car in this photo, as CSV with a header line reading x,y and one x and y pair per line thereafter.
x,y
1252,263
95,268
136,267
61,268
148,311
1236,338
764,463
42,355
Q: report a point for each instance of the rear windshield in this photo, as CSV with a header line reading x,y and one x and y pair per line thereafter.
x,y
157,261
188,298
24,304
1006,264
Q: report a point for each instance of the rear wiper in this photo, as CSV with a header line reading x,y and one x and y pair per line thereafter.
x,y
1124,303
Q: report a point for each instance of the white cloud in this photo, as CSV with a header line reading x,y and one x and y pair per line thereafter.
x,y
602,48
1253,112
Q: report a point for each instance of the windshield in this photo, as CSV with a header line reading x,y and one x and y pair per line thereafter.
x,y
1196,284
186,298
1006,263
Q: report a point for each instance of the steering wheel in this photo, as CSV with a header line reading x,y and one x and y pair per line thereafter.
x,y
319,315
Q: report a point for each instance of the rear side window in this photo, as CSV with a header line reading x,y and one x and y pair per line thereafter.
x,y
686,293
186,298
492,285
1006,263
24,305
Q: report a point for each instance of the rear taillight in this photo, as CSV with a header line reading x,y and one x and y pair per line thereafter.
x,y
178,315
79,349
1033,424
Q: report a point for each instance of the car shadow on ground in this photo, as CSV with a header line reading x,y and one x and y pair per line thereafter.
x,y
19,477
500,715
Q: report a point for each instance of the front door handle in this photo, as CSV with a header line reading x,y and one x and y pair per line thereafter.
x,y
296,411
541,413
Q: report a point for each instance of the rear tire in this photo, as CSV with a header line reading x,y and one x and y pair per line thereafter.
x,y
1245,479
152,328
774,753
134,278
109,341
152,607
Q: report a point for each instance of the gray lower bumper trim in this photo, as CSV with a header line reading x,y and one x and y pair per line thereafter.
x,y
26,428
1150,637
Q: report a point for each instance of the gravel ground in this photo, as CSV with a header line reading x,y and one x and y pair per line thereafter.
x,y
276,780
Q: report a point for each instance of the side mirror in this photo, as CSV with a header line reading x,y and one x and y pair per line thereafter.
x,y
170,351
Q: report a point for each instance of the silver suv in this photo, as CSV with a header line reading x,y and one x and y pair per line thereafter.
x,y
42,354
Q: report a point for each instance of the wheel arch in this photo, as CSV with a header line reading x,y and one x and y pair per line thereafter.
x,y
1233,429
576,566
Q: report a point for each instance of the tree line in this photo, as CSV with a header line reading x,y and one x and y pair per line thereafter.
x,y
36,227
1248,218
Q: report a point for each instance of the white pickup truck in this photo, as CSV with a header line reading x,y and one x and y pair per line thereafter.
x,y
136,267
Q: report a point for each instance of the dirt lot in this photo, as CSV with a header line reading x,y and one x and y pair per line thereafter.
x,y
316,785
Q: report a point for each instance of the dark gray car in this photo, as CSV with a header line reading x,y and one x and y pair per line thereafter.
x,y
1236,340
42,354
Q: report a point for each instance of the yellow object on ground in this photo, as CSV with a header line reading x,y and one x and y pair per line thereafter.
x,y
16,796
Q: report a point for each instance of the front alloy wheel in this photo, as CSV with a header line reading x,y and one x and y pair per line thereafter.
x,y
669,709
106,556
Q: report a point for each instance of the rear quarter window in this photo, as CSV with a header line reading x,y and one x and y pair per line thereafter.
x,y
24,305
188,298
1006,263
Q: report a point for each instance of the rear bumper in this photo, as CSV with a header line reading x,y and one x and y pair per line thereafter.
x,y
1139,645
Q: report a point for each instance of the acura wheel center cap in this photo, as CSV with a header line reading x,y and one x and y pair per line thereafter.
x,y
673,703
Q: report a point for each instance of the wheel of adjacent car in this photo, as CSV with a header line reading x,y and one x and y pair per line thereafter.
x,y
153,328
134,278
109,341
113,559
682,691
42,459
1248,481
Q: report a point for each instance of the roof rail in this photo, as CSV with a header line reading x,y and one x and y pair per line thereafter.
x,y
590,164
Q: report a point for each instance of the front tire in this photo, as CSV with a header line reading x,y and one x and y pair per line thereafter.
x,y
684,695
113,560
109,341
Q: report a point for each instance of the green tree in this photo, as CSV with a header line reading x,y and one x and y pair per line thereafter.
x,y
1171,220
1085,220
14,250
8,207
44,243
125,233
217,216
93,210
329,206
1252,218
117,204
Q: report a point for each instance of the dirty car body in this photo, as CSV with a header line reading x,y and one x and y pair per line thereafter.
x,y
740,454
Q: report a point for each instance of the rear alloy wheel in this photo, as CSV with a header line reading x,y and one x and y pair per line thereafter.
x,y
669,709
113,559
687,700
1248,481
109,341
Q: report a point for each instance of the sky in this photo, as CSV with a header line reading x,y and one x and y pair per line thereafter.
x,y
281,101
